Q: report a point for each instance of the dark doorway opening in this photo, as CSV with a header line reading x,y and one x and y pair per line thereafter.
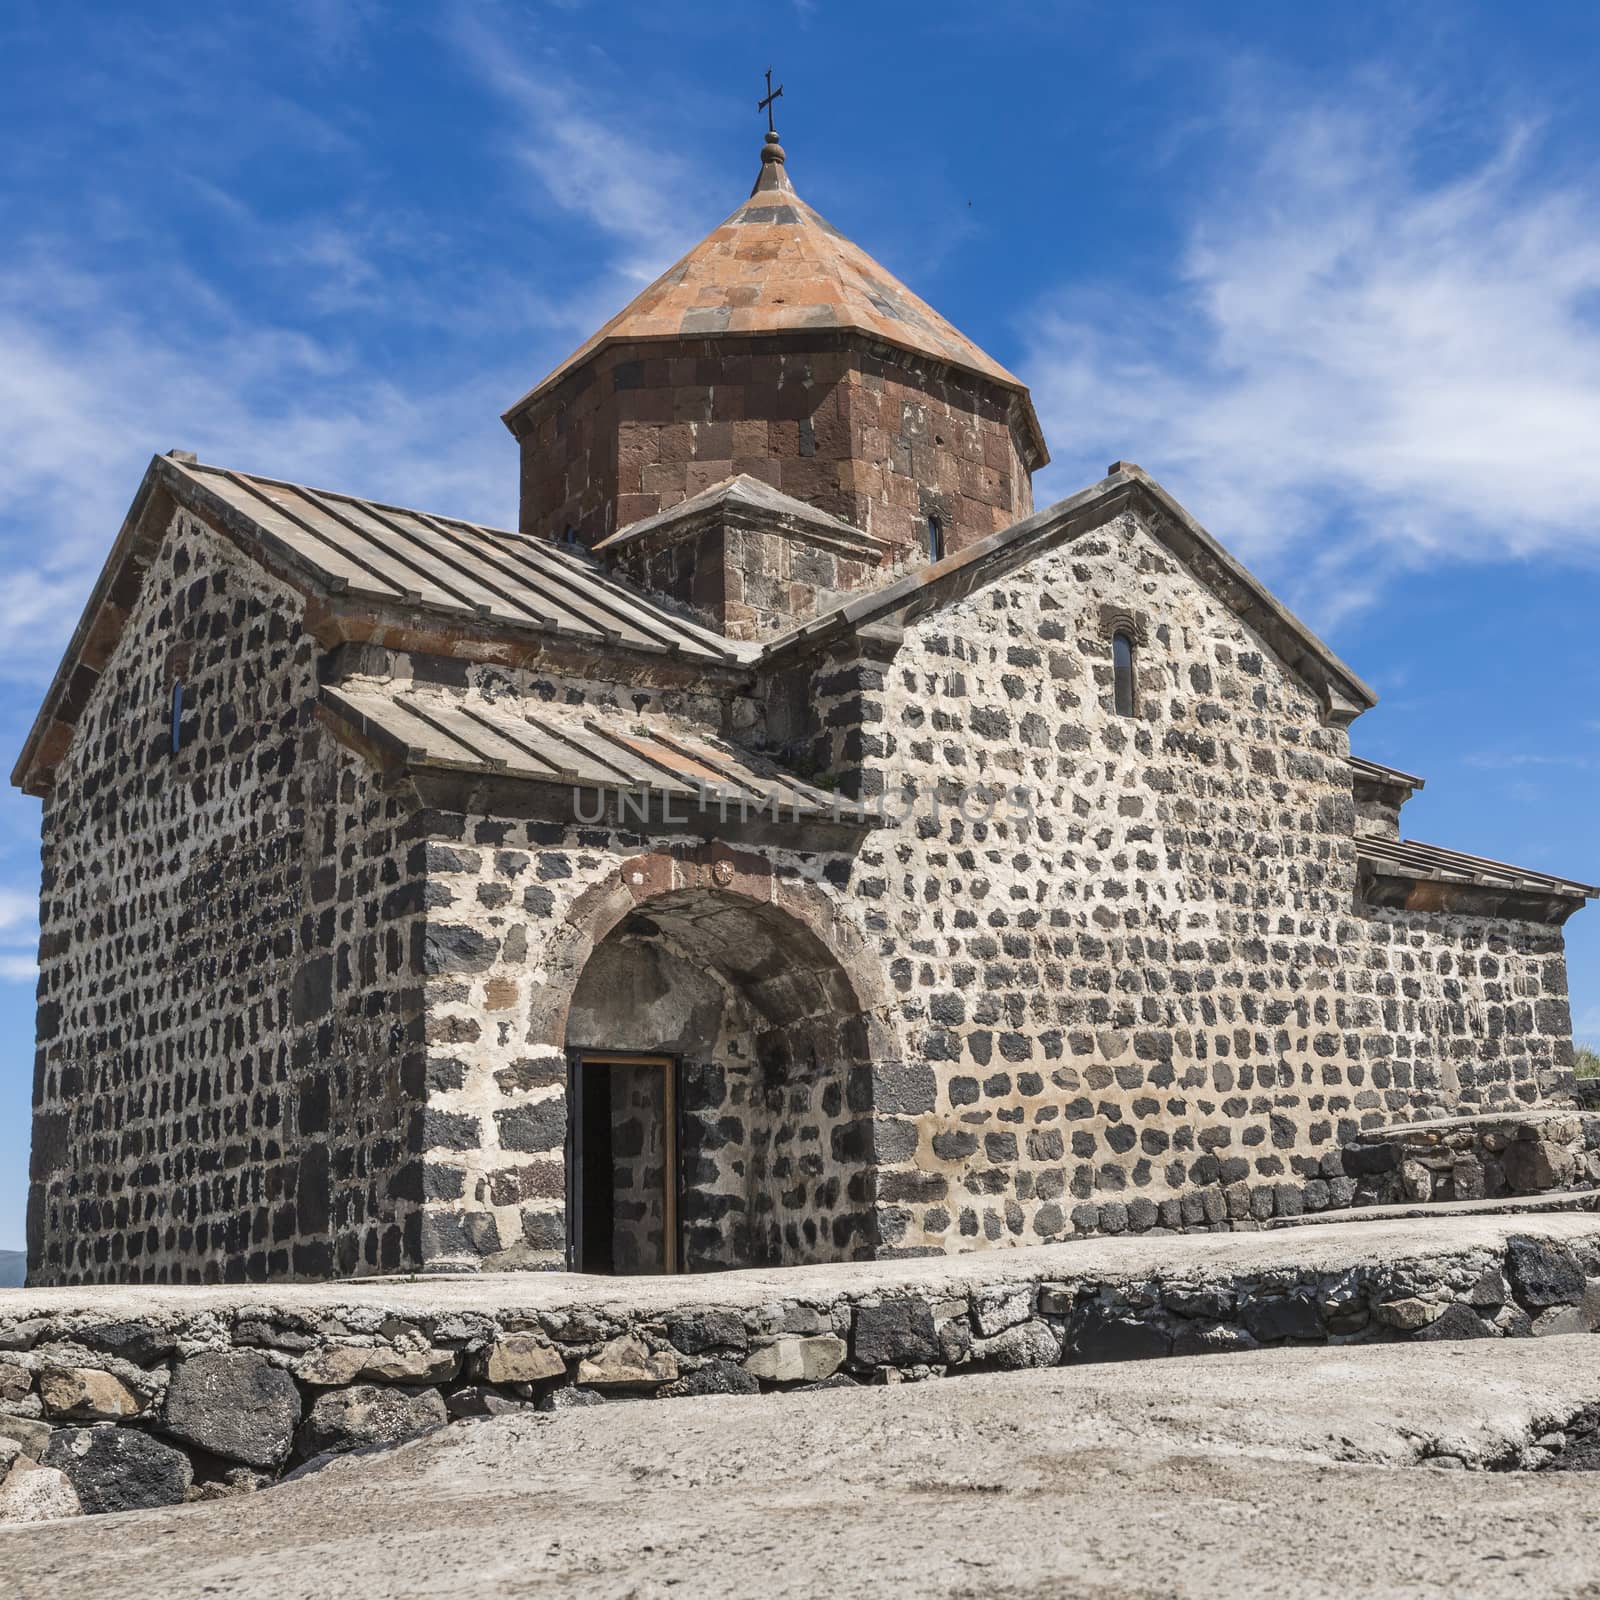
x,y
622,1164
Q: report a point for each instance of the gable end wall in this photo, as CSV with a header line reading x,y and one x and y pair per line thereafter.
x,y
228,1017
1156,998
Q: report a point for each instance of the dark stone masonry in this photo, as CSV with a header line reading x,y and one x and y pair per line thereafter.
x,y
819,856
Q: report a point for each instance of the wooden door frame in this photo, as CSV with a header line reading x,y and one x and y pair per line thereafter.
x,y
671,1066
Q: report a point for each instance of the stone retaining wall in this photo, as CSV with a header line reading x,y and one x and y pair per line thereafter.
x,y
1474,1158
151,1399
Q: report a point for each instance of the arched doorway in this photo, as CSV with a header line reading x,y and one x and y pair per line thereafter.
x,y
719,1093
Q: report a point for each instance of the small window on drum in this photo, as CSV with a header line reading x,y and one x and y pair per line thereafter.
x,y
1122,672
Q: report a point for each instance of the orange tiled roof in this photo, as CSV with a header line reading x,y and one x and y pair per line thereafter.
x,y
775,266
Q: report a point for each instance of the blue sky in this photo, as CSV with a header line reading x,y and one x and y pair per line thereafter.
x,y
1331,273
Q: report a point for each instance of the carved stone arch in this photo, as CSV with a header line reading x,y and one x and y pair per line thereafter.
x,y
780,1019
740,876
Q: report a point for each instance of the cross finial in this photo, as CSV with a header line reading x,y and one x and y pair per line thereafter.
x,y
766,105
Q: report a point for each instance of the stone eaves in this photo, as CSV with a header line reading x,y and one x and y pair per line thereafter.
x,y
1374,781
1407,875
1125,488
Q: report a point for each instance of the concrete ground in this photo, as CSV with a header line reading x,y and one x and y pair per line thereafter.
x,y
1276,1473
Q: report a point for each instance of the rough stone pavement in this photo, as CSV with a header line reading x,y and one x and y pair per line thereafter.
x,y
1473,1225
1276,1473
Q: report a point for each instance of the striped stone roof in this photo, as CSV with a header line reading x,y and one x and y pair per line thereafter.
x,y
1387,777
383,572
368,549
1411,858
584,747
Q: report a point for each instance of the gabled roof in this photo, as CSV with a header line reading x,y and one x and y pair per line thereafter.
x,y
775,266
585,747
399,569
453,568
1125,487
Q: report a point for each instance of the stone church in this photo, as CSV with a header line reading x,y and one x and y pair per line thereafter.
x,y
788,846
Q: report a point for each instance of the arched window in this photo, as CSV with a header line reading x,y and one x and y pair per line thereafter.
x,y
935,539
1122,672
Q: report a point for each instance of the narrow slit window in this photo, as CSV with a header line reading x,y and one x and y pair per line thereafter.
x,y
177,718
1122,673
935,539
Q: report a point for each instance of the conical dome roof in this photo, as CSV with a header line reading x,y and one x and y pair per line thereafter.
x,y
776,267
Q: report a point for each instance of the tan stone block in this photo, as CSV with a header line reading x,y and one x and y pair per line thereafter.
x,y
702,474
85,1394
627,1363
523,1358
1408,1314
501,994
861,477
15,1382
633,507
874,446
665,480
763,468
798,1360
31,1493
344,1364
750,437
640,449
997,452
675,442
902,490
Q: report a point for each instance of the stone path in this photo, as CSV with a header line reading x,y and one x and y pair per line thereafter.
x,y
1278,1474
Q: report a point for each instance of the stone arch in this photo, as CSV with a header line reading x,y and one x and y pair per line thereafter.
x,y
780,1032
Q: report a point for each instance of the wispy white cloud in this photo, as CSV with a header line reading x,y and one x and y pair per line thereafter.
x,y
121,340
607,166
352,343
1365,363
92,385
19,936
